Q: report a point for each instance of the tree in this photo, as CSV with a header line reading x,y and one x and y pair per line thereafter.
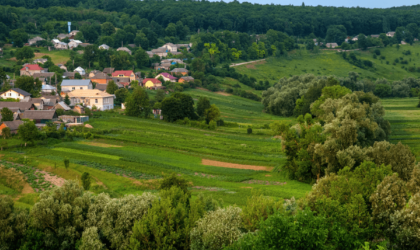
x,y
67,100
111,87
121,95
212,113
86,181
170,30
90,54
202,104
90,31
336,33
6,133
91,240
141,41
137,104
66,163
19,37
13,224
174,181
310,45
6,115
171,109
28,132
29,84
107,29
24,53
160,95
362,41
142,58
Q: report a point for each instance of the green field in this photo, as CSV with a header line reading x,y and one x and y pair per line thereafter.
x,y
404,117
331,63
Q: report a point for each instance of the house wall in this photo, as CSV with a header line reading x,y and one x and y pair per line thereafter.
x,y
12,94
181,80
29,72
2,126
150,84
102,103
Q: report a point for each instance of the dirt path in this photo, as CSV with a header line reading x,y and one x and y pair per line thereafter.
x,y
238,64
234,165
223,93
27,189
55,180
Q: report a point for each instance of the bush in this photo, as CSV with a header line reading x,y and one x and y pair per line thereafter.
x,y
86,180
174,181
249,130
212,125
217,229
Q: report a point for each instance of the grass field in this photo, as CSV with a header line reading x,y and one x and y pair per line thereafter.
x,y
331,63
404,117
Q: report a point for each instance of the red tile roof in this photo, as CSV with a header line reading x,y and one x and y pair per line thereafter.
x,y
167,75
153,80
32,67
126,73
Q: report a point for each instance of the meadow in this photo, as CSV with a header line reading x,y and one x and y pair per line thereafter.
x,y
329,62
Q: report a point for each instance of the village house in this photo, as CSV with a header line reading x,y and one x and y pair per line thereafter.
x,y
172,61
101,78
187,46
170,47
30,69
104,46
390,34
15,93
84,45
62,36
161,52
186,79
179,71
48,89
108,71
40,60
124,74
76,84
331,45
151,83
68,75
62,105
150,53
124,49
167,77
23,106
74,44
80,70
12,125
164,66
38,102
79,109
93,73
48,77
35,39
74,32
354,38
61,45
374,36
40,116
92,97
61,66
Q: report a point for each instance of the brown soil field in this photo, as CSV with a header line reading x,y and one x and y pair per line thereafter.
x,y
223,93
234,165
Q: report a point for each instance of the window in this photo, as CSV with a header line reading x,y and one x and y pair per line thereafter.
x,y
81,87
96,100
10,94
73,88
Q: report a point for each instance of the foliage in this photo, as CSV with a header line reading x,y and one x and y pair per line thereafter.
x,y
6,115
13,224
86,180
217,229
67,99
24,53
28,132
137,104
178,106
202,105
29,84
212,113
90,240
174,181
111,87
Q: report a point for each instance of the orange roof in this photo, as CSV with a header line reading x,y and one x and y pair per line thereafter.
x,y
122,72
32,67
153,80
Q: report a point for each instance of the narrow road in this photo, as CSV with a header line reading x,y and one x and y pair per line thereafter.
x,y
238,64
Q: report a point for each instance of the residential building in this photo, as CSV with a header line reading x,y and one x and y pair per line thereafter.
x,y
92,97
62,36
172,61
30,69
150,53
62,67
13,126
374,36
54,41
76,84
63,106
40,116
101,78
35,39
46,76
74,44
331,45
104,46
40,60
80,70
93,73
108,71
390,34
73,119
15,93
161,52
61,45
170,47
23,106
151,83
164,66
84,45
124,74
68,75
79,109
187,46
354,38
124,49
74,32
186,79
38,102
167,77
179,71
48,88
121,81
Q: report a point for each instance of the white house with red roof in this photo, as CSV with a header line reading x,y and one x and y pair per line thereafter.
x,y
124,74
30,69
167,77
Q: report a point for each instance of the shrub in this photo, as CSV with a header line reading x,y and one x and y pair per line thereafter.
x,y
212,125
249,130
174,181
217,229
66,163
86,180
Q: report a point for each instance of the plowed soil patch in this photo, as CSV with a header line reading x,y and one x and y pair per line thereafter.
x,y
27,189
55,180
102,145
234,165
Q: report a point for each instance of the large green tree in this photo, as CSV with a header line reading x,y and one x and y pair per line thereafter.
x,y
137,104
6,115
29,84
142,58
28,132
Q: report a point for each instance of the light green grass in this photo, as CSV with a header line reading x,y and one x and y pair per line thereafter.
x,y
332,63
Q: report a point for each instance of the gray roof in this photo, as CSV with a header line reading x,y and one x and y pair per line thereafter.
x,y
14,125
63,105
188,78
69,74
179,70
101,87
39,114
100,75
76,82
20,105
108,70
43,75
20,91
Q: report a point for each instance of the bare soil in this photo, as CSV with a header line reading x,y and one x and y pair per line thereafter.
x,y
55,180
27,189
234,165
223,93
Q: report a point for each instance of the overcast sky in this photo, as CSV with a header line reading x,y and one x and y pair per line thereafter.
x,y
353,3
